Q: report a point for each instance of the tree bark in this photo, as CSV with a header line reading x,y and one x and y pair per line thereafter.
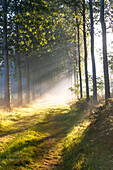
x,y
75,58
85,50
18,62
75,66
80,77
105,61
6,57
74,73
34,81
92,54
27,81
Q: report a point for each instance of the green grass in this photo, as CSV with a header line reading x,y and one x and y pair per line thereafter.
x,y
78,136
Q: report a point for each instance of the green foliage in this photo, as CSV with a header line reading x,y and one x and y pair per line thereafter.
x,y
39,28
44,32
100,83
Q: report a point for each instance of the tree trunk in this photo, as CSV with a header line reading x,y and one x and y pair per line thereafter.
x,y
85,50
74,73
18,62
75,58
27,81
80,77
34,90
6,57
77,79
92,54
105,62
75,68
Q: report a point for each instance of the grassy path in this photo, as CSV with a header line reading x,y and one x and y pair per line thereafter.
x,y
43,138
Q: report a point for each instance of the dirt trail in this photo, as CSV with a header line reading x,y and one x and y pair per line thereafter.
x,y
51,125
54,138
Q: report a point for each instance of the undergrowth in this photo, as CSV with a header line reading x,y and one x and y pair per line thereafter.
x,y
78,136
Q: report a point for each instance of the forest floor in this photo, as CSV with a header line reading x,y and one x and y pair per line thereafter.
x,y
75,136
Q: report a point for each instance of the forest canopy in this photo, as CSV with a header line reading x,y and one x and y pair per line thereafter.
x,y
42,40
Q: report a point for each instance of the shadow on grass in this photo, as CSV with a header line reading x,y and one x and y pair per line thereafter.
x,y
55,126
95,149
19,125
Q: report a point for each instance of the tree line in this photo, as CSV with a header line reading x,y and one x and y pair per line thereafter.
x,y
42,39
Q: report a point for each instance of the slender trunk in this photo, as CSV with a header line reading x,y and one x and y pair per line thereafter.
x,y
77,96
80,77
6,57
19,75
92,54
111,3
75,68
34,83
74,74
105,61
27,81
85,50
77,87
75,58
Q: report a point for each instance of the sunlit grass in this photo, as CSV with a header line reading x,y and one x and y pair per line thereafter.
x,y
77,134
61,137
94,150
23,138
